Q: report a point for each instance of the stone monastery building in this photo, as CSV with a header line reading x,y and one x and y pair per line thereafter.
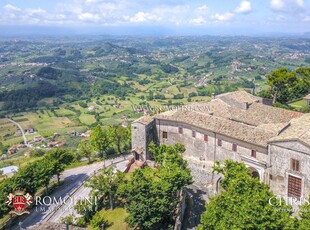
x,y
273,143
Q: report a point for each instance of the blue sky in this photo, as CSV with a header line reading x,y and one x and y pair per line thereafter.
x,y
220,16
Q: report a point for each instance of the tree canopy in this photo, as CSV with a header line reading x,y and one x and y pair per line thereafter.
x,y
286,85
278,79
151,195
244,204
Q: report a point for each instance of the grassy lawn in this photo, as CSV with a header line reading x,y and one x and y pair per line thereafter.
x,y
13,141
76,164
298,104
116,218
87,119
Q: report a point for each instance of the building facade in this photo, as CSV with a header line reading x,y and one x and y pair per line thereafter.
x,y
273,143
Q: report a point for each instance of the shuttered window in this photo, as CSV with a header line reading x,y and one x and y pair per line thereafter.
x,y
294,186
295,165
253,153
180,130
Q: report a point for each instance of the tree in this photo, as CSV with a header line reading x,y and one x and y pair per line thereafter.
x,y
85,150
304,213
151,195
105,184
100,140
278,79
146,201
25,178
304,74
244,204
120,138
60,158
3,149
86,209
43,172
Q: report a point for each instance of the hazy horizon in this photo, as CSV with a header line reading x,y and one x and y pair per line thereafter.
x,y
170,17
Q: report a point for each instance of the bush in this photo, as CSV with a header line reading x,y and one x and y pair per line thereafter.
x,y
192,94
80,222
37,153
305,109
97,221
279,105
111,152
83,104
69,219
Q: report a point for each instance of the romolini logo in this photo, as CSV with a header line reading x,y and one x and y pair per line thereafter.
x,y
19,201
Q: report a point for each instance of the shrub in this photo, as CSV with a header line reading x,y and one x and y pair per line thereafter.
x,y
97,221
69,219
80,222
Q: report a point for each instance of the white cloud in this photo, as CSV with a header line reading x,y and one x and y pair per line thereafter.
x,y
89,17
202,9
198,21
223,17
175,15
277,4
35,12
280,18
244,7
143,17
300,3
9,7
286,5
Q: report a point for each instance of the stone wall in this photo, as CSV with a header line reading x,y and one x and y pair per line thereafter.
x,y
142,135
201,154
281,155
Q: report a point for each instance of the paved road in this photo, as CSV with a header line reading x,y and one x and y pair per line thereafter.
x,y
73,179
81,192
21,129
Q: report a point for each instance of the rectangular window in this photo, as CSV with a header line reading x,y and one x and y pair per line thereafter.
x,y
193,133
206,138
295,166
180,130
253,153
234,147
294,186
165,135
219,142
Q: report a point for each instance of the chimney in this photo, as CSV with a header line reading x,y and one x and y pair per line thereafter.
x,y
213,96
309,90
245,105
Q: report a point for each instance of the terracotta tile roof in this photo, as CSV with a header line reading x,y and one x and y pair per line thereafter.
x,y
137,164
257,135
145,120
238,115
256,114
238,97
299,129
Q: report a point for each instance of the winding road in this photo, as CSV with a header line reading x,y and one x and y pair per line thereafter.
x,y
21,130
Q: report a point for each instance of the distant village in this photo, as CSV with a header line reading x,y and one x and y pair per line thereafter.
x,y
43,142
